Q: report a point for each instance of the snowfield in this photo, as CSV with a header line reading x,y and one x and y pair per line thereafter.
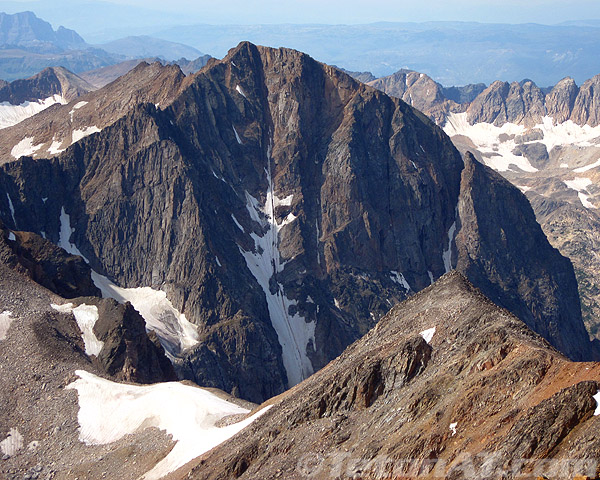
x,y
487,139
12,114
108,411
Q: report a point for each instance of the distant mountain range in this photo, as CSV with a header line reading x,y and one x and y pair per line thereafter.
x,y
29,44
452,53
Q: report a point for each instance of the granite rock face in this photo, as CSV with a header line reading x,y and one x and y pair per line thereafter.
x,y
284,208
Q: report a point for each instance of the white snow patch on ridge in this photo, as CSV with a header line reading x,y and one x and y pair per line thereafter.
x,y
293,331
12,114
108,411
5,321
12,443
83,132
25,148
11,236
240,91
453,428
174,331
86,317
428,334
77,106
237,137
597,398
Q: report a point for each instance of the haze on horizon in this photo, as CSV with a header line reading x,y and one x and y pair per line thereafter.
x,y
241,12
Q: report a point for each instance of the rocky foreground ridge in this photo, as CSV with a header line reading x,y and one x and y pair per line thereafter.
x,y
282,206
447,385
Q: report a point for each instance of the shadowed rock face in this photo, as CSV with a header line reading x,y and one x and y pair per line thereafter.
x,y
284,208
485,398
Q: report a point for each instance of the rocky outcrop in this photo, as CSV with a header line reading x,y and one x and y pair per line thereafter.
x,y
130,353
484,398
45,263
284,208
586,110
561,100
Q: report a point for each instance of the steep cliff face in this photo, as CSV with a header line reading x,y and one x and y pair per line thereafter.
x,y
284,208
447,385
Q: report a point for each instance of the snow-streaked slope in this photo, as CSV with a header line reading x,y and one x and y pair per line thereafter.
x,y
12,114
108,411
597,398
86,317
295,334
5,321
498,143
174,331
486,138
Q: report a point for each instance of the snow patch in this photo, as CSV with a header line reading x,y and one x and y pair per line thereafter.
x,y
430,276
597,398
108,411
237,223
77,106
447,254
64,235
25,148
11,236
587,167
83,132
399,279
240,91
218,262
5,321
12,443
293,331
428,334
580,186
237,137
86,317
566,165
453,428
336,303
11,207
12,114
523,188
54,148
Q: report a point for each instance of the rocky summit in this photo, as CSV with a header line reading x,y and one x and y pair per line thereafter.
x,y
281,206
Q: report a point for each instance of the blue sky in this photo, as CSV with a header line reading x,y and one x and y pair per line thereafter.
x,y
352,11
361,11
